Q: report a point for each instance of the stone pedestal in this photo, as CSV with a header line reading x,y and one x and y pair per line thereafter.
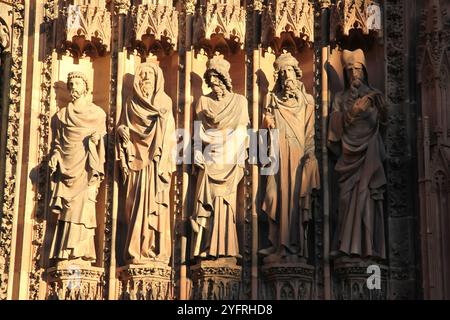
x,y
216,279
75,282
287,280
355,279
152,281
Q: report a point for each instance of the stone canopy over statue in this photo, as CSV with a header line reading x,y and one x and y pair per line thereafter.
x,y
219,150
146,144
354,135
288,194
77,166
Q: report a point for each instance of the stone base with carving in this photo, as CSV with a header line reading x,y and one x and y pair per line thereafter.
x,y
287,280
152,281
351,279
73,281
216,279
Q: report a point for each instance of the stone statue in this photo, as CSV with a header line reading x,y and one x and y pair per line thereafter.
x,y
287,200
77,167
223,119
354,135
146,143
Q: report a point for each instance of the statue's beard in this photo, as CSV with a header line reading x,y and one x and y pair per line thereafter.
x,y
289,88
147,89
354,88
219,90
75,94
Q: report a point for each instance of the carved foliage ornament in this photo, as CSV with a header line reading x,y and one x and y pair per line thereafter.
x,y
122,6
288,15
12,148
220,18
356,14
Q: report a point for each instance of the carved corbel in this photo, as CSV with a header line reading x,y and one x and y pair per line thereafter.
x,y
153,27
288,24
356,14
219,26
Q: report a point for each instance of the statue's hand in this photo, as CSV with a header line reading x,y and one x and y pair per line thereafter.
x,y
309,157
269,121
124,134
53,163
125,171
94,138
199,160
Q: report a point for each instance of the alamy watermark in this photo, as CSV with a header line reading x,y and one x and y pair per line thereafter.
x,y
373,282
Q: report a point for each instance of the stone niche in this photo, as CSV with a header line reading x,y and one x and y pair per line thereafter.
x,y
287,27
153,280
60,278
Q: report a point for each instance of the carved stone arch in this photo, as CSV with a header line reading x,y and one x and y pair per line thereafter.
x,y
87,30
288,19
444,70
426,71
152,28
287,292
225,19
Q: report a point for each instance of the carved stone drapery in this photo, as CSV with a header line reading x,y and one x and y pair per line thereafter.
x,y
216,17
288,16
356,14
88,30
156,22
4,36
216,280
75,283
153,281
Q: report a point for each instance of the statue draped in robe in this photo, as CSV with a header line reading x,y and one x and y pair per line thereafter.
x,y
287,200
77,166
146,147
354,134
222,136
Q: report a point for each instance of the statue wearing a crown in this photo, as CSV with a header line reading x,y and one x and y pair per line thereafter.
x,y
220,146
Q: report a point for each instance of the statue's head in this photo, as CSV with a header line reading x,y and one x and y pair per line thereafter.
x,y
77,84
146,74
354,64
287,73
217,76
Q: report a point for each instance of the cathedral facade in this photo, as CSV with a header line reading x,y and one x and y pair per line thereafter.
x,y
224,150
